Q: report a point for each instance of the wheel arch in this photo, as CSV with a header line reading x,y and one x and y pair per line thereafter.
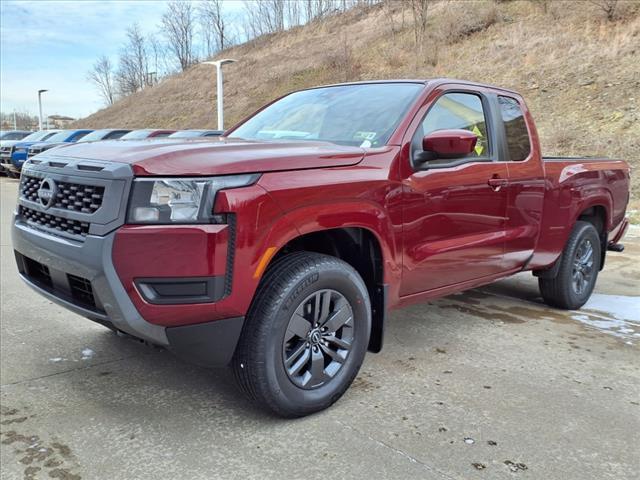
x,y
360,247
598,215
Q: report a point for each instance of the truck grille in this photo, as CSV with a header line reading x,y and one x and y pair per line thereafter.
x,y
34,151
69,196
37,218
77,290
38,272
81,290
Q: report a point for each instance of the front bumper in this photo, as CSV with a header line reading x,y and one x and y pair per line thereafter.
x,y
156,283
5,162
81,277
89,260
16,161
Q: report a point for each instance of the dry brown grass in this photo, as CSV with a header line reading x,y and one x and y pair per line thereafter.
x,y
577,70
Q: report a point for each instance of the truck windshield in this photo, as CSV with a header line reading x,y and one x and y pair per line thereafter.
x,y
136,134
38,136
96,135
60,136
188,134
362,115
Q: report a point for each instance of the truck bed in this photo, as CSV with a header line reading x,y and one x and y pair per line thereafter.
x,y
575,185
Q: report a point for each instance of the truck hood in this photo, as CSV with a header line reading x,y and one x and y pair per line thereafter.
x,y
48,144
212,156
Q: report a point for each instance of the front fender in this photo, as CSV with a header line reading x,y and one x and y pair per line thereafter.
x,y
350,214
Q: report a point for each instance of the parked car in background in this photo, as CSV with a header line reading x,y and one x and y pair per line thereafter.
x,y
9,138
14,134
61,138
13,156
146,133
104,134
282,257
196,133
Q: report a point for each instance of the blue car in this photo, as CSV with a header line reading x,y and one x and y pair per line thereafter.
x,y
61,138
13,156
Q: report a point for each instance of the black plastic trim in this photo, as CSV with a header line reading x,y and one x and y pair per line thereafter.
x,y
208,344
181,290
379,308
231,253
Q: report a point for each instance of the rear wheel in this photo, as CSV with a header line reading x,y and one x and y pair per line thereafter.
x,y
578,272
305,336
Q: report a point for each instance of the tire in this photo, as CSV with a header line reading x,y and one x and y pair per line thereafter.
x,y
578,271
293,287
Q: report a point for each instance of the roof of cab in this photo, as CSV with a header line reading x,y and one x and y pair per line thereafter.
x,y
429,81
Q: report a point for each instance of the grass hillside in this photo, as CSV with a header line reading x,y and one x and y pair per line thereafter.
x,y
579,71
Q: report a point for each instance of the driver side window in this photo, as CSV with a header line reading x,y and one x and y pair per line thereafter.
x,y
456,111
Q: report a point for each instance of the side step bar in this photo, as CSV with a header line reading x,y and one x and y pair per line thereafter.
x,y
615,247
614,244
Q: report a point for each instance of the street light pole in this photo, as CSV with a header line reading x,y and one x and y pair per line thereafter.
x,y
219,88
40,92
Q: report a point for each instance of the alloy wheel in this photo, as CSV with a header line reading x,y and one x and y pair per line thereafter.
x,y
318,339
582,267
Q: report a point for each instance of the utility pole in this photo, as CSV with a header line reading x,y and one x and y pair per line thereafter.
x,y
15,123
219,89
40,92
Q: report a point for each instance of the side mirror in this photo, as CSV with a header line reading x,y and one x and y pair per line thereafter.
x,y
448,144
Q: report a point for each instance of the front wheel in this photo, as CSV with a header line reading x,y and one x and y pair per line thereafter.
x,y
579,266
305,336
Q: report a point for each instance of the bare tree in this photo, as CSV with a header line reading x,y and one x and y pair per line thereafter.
x,y
293,14
265,16
132,74
179,28
214,26
23,120
101,75
419,8
158,63
608,7
314,9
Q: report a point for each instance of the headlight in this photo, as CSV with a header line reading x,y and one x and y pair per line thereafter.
x,y
179,200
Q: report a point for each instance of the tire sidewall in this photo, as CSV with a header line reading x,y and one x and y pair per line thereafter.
x,y
343,279
585,231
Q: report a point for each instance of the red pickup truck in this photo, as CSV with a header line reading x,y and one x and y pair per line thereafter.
x,y
279,247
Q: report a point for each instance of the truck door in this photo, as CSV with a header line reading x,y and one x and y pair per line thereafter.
x,y
526,187
454,210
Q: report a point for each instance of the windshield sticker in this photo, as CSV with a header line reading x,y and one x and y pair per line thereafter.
x,y
365,144
364,135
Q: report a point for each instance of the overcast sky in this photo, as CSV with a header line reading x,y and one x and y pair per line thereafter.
x,y
47,44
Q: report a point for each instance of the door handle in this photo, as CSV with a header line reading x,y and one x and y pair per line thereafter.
x,y
496,183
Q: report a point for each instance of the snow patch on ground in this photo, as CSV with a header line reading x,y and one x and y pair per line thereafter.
x,y
87,353
617,315
622,307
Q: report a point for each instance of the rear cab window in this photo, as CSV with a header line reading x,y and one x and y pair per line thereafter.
x,y
77,136
515,128
115,135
